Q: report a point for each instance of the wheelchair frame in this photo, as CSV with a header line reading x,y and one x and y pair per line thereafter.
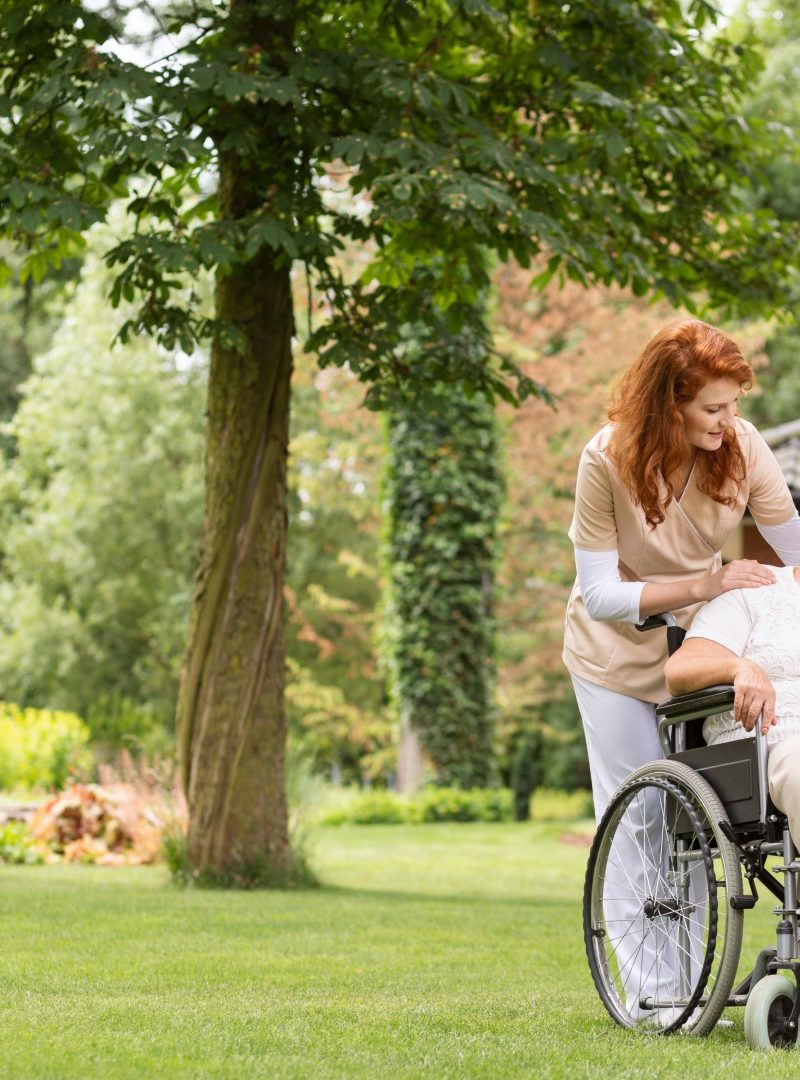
x,y
720,816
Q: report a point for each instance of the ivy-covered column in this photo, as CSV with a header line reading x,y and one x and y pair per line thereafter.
x,y
443,489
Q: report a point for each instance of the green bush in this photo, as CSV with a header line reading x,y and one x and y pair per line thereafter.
x,y
379,808
525,776
41,748
16,845
475,804
430,805
116,721
552,726
353,807
553,804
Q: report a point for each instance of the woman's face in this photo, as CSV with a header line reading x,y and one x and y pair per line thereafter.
x,y
707,416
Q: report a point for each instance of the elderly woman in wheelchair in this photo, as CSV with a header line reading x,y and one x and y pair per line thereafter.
x,y
665,895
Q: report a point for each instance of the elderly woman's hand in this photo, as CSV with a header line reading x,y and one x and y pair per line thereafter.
x,y
755,694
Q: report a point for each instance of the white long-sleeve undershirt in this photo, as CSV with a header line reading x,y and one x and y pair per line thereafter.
x,y
784,540
610,599
606,596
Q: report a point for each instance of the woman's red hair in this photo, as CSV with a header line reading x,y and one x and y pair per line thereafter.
x,y
648,443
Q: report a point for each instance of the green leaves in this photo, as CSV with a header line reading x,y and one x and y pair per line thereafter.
x,y
443,492
603,135
101,511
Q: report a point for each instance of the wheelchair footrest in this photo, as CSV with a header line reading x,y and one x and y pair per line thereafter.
x,y
743,903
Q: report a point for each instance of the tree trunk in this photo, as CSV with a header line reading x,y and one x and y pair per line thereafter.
x,y
231,722
231,719
409,758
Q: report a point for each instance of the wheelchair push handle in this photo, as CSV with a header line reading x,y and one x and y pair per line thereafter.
x,y
675,633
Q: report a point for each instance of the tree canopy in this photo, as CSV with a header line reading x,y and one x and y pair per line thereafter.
x,y
605,135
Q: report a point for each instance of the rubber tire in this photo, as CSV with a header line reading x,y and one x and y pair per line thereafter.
x,y
759,1004
604,980
708,802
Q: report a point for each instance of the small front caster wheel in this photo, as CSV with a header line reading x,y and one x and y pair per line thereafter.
x,y
767,1013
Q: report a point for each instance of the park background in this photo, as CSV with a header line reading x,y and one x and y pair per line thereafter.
x,y
459,944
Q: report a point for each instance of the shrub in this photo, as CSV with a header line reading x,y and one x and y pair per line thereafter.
x,y
551,804
430,805
524,777
475,804
379,808
41,748
16,845
552,725
116,721
108,825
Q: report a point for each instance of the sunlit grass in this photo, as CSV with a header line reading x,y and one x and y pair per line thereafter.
x,y
430,950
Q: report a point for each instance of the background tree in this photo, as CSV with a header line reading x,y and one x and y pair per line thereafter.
x,y
443,493
100,513
772,99
601,134
29,314
339,716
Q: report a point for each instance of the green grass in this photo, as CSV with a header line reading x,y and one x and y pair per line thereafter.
x,y
430,951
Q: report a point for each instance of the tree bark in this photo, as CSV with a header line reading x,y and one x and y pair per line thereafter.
x,y
409,758
231,721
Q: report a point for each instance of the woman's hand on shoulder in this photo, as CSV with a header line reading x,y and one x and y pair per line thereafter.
x,y
739,574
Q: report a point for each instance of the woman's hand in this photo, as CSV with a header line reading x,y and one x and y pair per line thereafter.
x,y
754,694
739,574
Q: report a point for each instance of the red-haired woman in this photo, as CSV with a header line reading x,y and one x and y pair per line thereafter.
x,y
659,491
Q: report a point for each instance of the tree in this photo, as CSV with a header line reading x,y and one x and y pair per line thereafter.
x,y
603,134
100,513
772,98
28,316
338,714
443,494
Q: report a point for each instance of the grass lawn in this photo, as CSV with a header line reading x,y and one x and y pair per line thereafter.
x,y
430,950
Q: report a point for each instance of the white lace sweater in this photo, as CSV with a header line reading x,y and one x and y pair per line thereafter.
x,y
762,625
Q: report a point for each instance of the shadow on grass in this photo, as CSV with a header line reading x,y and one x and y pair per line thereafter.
x,y
406,896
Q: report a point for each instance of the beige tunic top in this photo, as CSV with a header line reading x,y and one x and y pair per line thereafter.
x,y
686,544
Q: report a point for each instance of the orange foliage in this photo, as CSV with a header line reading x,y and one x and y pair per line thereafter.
x,y
119,822
576,342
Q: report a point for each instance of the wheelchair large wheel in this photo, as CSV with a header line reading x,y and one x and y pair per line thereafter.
x,y
662,939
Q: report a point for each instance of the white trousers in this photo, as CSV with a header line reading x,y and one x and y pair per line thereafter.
x,y
621,735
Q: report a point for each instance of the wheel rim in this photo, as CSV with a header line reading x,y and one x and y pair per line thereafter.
x,y
651,906
779,1012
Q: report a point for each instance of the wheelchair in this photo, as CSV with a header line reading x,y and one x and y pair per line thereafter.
x,y
664,899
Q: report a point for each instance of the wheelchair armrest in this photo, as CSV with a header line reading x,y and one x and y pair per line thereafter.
x,y
687,707
705,702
